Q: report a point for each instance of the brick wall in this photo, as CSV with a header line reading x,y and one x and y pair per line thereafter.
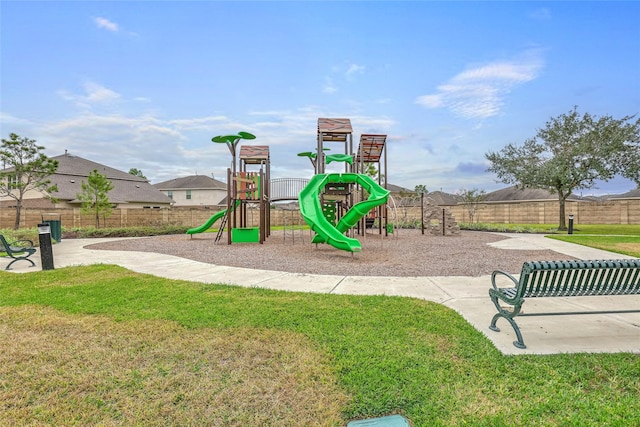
x,y
611,212
73,218
547,212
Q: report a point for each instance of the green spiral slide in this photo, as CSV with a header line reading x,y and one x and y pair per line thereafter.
x,y
204,227
325,231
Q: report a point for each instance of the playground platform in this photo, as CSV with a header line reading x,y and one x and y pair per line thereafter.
x,y
610,333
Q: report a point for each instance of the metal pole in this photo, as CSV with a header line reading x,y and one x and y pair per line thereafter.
x,y
230,202
422,211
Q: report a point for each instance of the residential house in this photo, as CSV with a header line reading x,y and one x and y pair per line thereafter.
x,y
515,194
194,190
440,198
633,194
128,191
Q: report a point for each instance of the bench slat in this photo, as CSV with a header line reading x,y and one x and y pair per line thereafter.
x,y
579,278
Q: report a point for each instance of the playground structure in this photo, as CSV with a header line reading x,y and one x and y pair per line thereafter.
x,y
334,203
244,188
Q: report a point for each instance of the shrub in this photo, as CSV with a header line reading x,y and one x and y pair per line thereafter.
x,y
140,231
507,228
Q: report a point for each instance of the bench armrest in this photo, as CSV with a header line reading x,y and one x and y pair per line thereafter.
x,y
507,294
504,273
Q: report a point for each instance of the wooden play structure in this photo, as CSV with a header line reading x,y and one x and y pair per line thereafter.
x,y
336,203
246,188
372,152
371,155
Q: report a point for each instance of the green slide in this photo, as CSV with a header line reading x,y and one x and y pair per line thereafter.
x,y
204,227
325,231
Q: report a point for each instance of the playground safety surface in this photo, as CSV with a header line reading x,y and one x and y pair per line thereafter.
x,y
455,272
404,253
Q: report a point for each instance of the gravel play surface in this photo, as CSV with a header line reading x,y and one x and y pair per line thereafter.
x,y
405,253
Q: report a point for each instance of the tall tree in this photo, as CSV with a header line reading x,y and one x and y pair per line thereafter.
x,y
572,152
137,172
471,199
25,168
94,196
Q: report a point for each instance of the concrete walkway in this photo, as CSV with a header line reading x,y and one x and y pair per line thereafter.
x,y
468,296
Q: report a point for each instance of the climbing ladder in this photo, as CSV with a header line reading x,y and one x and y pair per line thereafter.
x,y
223,222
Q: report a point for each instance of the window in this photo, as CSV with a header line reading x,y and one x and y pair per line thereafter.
x,y
170,194
188,194
12,183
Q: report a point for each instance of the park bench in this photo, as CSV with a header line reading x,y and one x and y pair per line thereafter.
x,y
541,279
18,250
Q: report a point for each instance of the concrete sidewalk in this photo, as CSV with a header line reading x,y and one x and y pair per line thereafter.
x,y
609,333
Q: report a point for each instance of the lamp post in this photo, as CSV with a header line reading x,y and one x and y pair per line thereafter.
x,y
570,231
46,252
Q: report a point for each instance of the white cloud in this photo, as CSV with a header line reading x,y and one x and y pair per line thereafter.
x,y
97,93
6,118
479,92
329,87
127,134
106,24
94,93
431,101
342,73
199,122
354,69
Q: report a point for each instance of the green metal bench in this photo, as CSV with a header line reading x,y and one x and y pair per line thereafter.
x,y
563,279
18,250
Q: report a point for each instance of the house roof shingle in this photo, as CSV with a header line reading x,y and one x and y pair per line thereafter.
x,y
440,198
513,194
127,188
192,182
633,194
397,189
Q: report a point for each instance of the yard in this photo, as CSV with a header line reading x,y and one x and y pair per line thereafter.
x,y
101,345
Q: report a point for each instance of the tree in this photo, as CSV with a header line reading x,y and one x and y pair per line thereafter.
x,y
420,189
471,199
94,195
25,168
571,153
137,172
370,170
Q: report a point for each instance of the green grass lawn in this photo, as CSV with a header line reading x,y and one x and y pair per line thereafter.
x,y
608,229
628,245
622,239
101,345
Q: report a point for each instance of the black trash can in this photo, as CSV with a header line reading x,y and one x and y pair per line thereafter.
x,y
53,219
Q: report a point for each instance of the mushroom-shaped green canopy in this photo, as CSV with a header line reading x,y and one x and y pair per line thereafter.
x,y
308,154
225,138
231,139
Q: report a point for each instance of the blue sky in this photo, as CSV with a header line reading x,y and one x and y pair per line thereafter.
x,y
147,84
